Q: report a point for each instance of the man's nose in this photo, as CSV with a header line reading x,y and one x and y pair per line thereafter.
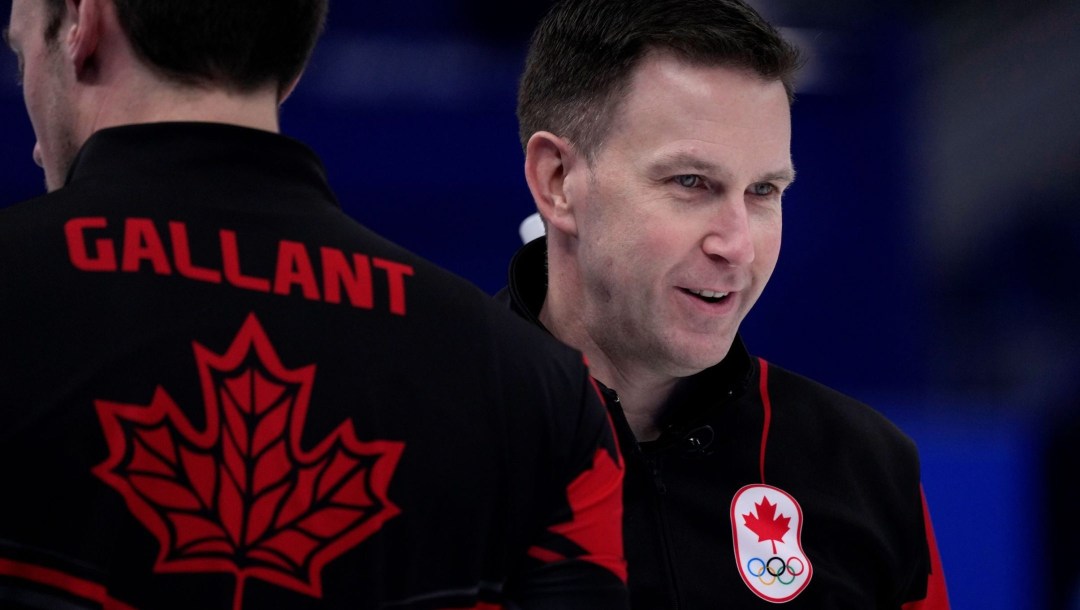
x,y
729,236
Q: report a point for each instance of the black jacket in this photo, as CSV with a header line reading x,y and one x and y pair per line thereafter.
x,y
217,391
853,534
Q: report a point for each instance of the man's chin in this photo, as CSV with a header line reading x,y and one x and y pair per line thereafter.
x,y
56,177
693,360
52,184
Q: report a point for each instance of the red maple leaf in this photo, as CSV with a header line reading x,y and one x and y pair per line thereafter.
x,y
242,496
767,524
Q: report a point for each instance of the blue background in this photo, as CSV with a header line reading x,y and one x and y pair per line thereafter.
x,y
931,244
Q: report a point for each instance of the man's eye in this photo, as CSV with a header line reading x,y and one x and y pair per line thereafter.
x,y
763,189
690,181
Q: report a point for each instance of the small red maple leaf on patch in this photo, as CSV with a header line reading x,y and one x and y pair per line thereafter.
x,y
767,524
242,496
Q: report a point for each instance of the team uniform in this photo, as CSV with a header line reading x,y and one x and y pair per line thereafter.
x,y
764,488
219,392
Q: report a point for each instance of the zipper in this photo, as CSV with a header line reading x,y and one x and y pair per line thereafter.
x,y
652,464
658,480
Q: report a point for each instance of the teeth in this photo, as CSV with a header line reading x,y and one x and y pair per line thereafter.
x,y
709,294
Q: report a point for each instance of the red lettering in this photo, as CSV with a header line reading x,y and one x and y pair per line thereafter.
x,y
294,268
182,256
230,262
356,279
342,272
76,242
395,281
142,243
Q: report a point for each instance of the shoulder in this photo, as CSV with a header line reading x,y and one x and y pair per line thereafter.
x,y
32,234
857,477
41,209
534,365
818,417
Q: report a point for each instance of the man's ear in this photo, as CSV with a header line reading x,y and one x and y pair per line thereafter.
x,y
84,35
549,159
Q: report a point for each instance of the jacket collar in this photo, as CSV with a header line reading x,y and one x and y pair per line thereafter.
x,y
526,286
238,156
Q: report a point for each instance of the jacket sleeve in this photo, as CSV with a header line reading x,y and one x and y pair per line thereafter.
x,y
577,560
937,597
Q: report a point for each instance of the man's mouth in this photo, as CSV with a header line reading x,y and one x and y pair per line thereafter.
x,y
709,296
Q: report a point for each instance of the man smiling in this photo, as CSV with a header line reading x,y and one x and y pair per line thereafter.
x,y
657,141
662,244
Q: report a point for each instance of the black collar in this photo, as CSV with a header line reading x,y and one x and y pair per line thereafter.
x,y
229,155
526,287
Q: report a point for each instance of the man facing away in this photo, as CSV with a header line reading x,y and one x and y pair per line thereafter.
x,y
218,391
657,140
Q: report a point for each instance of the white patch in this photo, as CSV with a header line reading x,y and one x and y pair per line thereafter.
x,y
531,228
766,525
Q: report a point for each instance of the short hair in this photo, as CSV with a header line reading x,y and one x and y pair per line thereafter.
x,y
584,52
239,44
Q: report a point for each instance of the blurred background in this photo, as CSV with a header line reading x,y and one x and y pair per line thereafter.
x,y
932,243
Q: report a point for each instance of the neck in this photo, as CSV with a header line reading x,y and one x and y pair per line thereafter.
x,y
642,391
118,88
641,395
158,102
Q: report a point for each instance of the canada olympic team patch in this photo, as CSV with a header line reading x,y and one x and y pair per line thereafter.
x,y
766,524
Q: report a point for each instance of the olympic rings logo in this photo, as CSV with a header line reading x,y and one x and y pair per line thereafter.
x,y
776,570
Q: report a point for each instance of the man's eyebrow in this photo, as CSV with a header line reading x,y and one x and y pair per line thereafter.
x,y
784,175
